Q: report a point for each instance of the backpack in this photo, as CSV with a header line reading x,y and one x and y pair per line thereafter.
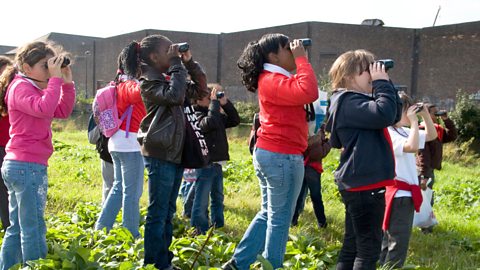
x,y
105,111
100,141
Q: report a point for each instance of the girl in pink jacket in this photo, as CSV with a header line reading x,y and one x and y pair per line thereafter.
x,y
36,90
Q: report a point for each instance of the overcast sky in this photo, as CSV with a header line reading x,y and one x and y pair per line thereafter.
x,y
30,19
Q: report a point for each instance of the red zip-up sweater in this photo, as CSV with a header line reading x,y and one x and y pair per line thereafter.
x,y
283,125
128,93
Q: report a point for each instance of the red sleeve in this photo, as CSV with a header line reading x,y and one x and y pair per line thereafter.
x,y
299,89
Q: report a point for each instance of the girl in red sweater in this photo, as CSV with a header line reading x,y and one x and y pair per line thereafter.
x,y
267,66
125,150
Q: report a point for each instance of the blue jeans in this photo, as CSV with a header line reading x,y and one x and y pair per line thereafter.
x,y
280,177
25,239
125,193
164,180
362,242
185,189
188,201
209,182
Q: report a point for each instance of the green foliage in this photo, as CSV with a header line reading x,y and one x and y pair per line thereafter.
x,y
246,110
75,182
466,117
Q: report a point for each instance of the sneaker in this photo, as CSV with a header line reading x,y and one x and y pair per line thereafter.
x,y
427,230
172,267
230,265
322,225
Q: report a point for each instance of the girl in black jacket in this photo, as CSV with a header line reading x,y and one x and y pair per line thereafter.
x,y
363,105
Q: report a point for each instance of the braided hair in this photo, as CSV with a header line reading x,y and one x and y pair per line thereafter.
x,y
255,55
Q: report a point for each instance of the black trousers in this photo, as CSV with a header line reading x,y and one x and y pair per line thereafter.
x,y
4,215
312,180
362,241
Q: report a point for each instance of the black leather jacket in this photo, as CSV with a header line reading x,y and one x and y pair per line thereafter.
x,y
162,131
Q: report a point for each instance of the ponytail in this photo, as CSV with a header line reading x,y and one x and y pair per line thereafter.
x,y
5,79
255,55
129,61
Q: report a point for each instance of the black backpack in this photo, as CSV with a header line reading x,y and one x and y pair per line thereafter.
x,y
100,141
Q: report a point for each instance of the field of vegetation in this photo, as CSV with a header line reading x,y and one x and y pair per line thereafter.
x,y
74,197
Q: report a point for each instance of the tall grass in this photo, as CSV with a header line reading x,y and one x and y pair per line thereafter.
x,y
74,177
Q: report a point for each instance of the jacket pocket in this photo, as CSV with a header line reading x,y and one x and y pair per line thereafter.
x,y
162,135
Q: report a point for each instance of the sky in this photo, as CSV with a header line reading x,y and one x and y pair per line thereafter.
x,y
31,19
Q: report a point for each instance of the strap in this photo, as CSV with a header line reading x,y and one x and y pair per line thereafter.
x,y
128,113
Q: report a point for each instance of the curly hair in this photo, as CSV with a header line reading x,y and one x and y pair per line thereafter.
x,y
255,55
129,61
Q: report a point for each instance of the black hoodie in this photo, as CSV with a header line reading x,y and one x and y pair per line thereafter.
x,y
357,124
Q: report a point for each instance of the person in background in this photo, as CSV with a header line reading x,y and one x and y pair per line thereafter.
x,y
124,147
106,162
187,191
405,197
4,137
267,66
164,88
34,92
313,178
215,113
363,104
430,158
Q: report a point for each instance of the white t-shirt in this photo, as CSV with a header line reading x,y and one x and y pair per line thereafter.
x,y
118,142
405,167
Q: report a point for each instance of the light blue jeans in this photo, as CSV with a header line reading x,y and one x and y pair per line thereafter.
x,y
25,239
125,193
280,177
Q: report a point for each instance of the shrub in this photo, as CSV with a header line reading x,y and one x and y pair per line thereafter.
x,y
466,117
246,110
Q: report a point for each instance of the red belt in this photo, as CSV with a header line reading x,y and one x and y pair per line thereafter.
x,y
390,194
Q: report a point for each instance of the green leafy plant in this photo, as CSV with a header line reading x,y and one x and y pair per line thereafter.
x,y
466,117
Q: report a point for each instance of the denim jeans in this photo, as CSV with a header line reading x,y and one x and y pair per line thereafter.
x,y
280,177
188,201
25,239
312,181
108,176
164,180
364,211
125,193
209,182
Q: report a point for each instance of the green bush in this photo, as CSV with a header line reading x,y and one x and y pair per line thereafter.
x,y
246,110
466,117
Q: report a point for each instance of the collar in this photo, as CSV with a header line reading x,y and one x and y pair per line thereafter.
x,y
354,91
29,80
276,69
124,78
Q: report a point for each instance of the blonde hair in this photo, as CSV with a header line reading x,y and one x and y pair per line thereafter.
x,y
347,65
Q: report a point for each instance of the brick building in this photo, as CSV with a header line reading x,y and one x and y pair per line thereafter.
x,y
431,63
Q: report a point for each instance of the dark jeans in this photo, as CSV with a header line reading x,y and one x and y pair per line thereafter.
x,y
362,241
209,184
3,196
312,180
164,179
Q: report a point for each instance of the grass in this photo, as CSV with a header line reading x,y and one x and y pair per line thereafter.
x,y
74,177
